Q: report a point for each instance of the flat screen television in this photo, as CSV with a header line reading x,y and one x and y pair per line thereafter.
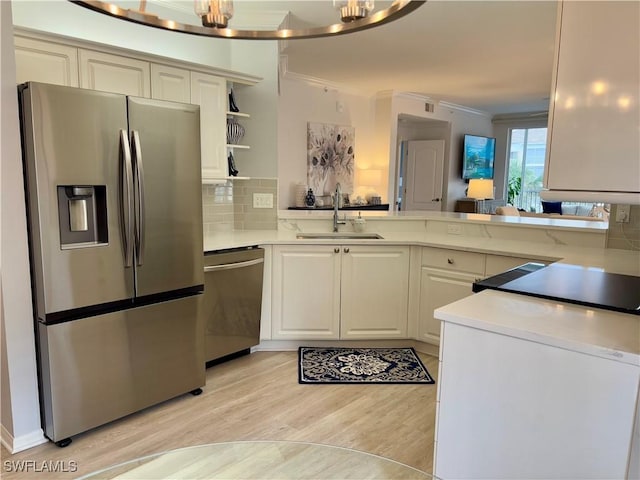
x,y
478,154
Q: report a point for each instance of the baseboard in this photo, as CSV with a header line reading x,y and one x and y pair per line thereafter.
x,y
23,442
291,345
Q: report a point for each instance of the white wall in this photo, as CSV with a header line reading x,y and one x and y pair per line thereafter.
x,y
261,101
301,102
376,122
20,416
461,120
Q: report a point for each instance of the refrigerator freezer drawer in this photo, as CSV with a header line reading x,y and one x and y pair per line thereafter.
x,y
97,369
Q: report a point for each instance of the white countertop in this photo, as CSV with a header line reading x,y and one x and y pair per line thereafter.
x,y
532,222
609,260
606,334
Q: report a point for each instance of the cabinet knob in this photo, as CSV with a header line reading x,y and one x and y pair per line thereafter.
x,y
346,250
336,250
450,261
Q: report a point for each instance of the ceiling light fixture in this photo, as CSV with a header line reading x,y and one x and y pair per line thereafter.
x,y
214,13
355,14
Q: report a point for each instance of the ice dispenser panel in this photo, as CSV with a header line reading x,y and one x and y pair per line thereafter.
x,y
82,214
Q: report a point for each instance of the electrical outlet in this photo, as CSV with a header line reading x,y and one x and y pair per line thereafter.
x,y
454,229
622,213
263,200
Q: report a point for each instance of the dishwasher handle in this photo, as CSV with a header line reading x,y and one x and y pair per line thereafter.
x,y
231,266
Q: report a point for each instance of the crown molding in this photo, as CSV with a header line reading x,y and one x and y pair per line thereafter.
x,y
315,81
462,108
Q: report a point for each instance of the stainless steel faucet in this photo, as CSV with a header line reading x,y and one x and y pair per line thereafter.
x,y
336,204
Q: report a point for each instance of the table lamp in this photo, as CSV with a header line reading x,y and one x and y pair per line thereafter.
x,y
480,189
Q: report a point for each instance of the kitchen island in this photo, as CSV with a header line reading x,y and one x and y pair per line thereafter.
x,y
534,388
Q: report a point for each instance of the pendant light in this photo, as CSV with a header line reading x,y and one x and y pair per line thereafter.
x,y
214,13
357,15
351,10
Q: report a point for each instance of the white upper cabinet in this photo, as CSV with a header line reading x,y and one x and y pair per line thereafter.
x,y
114,73
210,92
170,83
594,141
46,62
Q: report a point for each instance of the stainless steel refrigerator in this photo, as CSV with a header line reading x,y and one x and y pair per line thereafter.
x,y
113,189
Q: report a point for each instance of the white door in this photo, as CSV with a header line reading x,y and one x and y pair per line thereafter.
x,y
423,178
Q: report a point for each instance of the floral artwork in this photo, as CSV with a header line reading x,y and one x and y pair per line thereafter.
x,y
330,157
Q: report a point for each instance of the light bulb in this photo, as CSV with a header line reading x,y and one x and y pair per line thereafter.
x,y
351,10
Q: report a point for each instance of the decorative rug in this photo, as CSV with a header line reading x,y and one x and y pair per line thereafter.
x,y
360,365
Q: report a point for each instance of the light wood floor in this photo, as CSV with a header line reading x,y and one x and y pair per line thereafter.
x,y
257,397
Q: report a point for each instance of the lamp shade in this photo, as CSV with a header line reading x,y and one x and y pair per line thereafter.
x,y
480,188
370,178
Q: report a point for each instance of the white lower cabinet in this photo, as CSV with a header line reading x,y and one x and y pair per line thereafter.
x,y
439,288
445,276
325,292
305,292
375,288
510,408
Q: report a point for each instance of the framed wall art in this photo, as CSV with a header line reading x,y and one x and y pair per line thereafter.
x,y
330,157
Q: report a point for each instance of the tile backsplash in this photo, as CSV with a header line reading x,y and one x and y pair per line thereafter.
x,y
229,206
625,236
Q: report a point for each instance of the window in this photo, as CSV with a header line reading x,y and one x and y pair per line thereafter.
x,y
526,167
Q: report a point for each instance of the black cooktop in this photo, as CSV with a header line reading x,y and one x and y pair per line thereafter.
x,y
570,283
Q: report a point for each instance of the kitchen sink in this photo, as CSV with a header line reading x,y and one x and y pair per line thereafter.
x,y
338,236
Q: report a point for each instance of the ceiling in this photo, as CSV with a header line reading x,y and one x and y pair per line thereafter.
x,y
494,56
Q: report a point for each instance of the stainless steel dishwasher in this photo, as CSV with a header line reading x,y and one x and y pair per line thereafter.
x,y
232,303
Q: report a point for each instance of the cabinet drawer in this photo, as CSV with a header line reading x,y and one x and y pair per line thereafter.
x,y
453,260
500,263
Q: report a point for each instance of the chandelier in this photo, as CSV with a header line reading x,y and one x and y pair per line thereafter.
x,y
355,15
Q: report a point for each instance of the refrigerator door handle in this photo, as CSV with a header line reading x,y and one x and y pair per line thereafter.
x,y
125,199
138,178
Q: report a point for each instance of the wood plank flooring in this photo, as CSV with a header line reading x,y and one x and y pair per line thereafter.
x,y
256,397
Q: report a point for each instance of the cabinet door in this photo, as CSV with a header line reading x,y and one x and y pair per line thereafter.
x,y
45,62
306,292
170,83
438,288
113,73
595,123
375,291
210,92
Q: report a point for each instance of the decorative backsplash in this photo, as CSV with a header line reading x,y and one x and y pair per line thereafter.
x,y
229,206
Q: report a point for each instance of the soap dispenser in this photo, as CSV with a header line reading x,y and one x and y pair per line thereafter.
x,y
359,223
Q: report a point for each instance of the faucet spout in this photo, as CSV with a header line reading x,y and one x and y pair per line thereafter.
x,y
336,205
